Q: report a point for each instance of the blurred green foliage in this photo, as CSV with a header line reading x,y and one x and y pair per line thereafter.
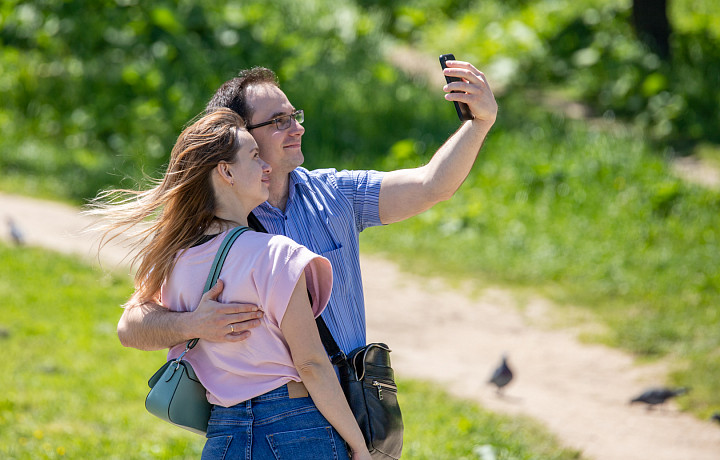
x,y
587,48
97,91
597,58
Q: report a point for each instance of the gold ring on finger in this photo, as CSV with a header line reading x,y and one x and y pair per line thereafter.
x,y
232,328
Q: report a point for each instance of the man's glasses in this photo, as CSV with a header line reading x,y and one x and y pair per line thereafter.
x,y
283,122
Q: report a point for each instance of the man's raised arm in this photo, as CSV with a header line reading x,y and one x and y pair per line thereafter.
x,y
408,192
149,326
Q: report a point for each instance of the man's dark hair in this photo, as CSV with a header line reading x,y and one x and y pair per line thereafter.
x,y
232,93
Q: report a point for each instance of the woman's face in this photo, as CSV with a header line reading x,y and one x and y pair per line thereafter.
x,y
251,174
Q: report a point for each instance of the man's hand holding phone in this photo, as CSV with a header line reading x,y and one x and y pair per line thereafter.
x,y
468,89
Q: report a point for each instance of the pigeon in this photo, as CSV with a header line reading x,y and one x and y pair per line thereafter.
x,y
501,376
658,395
715,417
17,236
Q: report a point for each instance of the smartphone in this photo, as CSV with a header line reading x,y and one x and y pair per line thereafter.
x,y
461,108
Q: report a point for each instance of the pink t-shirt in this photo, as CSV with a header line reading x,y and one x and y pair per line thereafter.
x,y
260,269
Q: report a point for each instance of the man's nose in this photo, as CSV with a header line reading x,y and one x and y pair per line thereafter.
x,y
296,127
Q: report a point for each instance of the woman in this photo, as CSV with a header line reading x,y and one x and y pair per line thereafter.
x,y
259,387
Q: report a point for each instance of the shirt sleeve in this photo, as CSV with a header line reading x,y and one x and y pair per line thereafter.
x,y
288,260
362,188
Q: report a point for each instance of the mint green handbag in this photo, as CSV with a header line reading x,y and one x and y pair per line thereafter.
x,y
176,394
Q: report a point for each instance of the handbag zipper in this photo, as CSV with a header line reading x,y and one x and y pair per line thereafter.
x,y
380,385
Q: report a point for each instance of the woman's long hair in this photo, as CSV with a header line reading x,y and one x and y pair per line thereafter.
x,y
177,211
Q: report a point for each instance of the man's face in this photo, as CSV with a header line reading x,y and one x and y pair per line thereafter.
x,y
281,149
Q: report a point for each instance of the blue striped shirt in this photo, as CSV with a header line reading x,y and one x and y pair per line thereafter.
x,y
326,211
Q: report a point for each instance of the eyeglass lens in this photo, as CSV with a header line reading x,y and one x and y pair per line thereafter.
x,y
283,123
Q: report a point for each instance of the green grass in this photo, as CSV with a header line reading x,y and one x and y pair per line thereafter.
x,y
70,390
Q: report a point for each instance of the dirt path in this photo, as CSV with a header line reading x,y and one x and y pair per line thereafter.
x,y
578,391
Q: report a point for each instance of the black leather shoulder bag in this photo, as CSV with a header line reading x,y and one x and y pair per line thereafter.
x,y
369,385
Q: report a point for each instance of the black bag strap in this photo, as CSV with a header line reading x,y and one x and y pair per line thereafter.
x,y
217,267
255,223
337,356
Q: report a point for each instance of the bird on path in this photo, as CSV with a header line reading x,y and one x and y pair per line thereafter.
x,y
17,236
658,395
715,417
501,376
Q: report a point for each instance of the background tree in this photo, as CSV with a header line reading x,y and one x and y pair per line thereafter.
x,y
652,25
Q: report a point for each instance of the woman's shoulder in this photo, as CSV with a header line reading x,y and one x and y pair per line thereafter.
x,y
282,247
252,237
263,243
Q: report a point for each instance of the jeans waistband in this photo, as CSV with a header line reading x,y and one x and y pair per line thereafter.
x,y
290,390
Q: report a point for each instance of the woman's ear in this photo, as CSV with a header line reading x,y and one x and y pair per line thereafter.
x,y
223,170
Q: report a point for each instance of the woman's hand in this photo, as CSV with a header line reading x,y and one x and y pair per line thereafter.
x,y
364,455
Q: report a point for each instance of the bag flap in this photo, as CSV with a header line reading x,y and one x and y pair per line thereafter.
x,y
156,376
190,371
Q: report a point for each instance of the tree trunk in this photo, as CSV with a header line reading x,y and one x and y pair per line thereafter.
x,y
652,26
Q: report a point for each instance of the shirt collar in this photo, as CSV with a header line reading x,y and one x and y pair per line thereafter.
x,y
298,178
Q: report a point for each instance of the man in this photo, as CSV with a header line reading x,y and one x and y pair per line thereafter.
x,y
324,210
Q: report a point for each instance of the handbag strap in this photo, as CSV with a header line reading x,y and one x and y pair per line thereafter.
x,y
221,255
217,267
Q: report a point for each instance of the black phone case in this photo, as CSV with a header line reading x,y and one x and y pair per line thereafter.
x,y
462,109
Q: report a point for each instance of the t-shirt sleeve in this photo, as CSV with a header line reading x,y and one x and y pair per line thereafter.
x,y
362,188
287,261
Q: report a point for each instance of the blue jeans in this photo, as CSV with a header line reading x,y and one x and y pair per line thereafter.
x,y
272,427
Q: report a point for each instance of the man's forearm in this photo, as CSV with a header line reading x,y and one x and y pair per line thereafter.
x,y
150,326
408,192
451,164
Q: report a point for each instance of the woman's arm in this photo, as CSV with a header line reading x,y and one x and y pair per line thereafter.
x,y
312,363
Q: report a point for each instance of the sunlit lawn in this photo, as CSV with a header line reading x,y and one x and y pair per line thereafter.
x,y
70,390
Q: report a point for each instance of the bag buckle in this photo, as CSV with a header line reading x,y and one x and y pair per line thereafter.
x,y
179,358
338,358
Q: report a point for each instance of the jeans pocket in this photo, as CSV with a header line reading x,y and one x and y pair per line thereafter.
x,y
216,448
310,444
